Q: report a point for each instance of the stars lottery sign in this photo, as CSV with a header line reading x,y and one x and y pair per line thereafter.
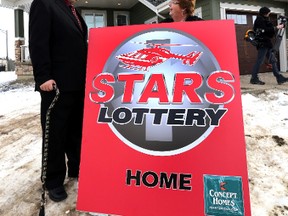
x,y
163,112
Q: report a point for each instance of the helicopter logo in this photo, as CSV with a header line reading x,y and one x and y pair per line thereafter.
x,y
143,59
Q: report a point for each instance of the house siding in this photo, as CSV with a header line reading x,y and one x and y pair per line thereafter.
x,y
210,10
139,13
206,11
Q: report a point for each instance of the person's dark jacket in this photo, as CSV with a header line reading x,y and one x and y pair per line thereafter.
x,y
266,30
189,18
58,47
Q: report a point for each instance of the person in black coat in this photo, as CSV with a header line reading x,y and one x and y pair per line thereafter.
x,y
58,51
265,32
181,11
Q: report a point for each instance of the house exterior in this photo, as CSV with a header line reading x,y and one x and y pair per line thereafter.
x,y
244,13
102,13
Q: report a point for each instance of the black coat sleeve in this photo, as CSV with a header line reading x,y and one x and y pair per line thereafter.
x,y
39,40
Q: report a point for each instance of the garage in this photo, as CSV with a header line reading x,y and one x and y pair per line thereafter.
x,y
244,16
247,53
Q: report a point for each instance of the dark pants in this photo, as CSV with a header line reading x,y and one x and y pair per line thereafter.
x,y
262,53
65,135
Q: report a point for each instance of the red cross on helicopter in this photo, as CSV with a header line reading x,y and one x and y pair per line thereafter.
x,y
145,58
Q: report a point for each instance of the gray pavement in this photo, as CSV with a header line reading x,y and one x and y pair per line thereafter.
x,y
268,78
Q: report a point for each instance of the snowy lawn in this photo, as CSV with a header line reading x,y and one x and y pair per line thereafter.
x,y
266,133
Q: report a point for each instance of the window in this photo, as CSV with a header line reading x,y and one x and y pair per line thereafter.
x,y
254,18
238,18
95,18
121,18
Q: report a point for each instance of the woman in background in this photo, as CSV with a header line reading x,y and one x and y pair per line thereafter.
x,y
181,11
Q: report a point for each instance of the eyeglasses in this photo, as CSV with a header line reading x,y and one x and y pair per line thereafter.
x,y
174,2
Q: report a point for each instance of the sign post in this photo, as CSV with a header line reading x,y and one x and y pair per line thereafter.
x,y
163,130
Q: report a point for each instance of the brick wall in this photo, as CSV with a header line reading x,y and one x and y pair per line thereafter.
x,y
21,68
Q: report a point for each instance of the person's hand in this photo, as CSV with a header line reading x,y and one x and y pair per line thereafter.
x,y
48,85
280,26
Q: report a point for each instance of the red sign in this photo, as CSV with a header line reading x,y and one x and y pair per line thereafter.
x,y
163,130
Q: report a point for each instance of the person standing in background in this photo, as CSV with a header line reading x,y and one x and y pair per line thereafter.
x,y
58,51
267,31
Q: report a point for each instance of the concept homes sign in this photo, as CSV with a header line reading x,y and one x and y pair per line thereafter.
x,y
163,129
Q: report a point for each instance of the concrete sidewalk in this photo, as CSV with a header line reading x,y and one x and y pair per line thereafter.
x,y
268,78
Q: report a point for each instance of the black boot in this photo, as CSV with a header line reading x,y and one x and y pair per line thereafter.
x,y
256,81
57,194
281,79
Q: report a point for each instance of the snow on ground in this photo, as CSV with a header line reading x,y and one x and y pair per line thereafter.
x,y
265,122
7,77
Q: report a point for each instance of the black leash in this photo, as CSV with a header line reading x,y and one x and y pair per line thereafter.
x,y
45,152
